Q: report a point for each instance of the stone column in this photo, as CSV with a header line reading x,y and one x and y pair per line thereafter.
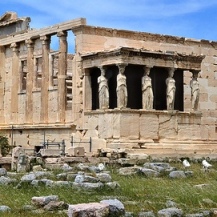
x,y
15,83
62,71
147,92
87,91
29,81
171,89
45,78
103,90
2,80
195,90
121,90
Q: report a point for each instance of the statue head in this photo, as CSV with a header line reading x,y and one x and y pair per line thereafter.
x,y
171,72
195,74
147,70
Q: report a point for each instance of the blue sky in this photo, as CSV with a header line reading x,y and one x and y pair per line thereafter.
x,y
186,18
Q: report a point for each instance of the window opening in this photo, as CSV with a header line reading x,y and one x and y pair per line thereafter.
x,y
38,76
23,74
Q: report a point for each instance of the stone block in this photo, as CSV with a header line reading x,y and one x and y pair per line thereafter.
x,y
50,152
49,160
168,125
88,209
129,125
147,130
76,152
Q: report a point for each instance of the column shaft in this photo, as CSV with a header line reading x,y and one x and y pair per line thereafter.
x,y
15,83
2,80
87,91
45,78
29,83
62,71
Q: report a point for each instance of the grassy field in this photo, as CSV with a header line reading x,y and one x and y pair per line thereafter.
x,y
136,192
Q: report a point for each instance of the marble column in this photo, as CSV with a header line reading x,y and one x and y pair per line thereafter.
x,y
103,90
2,79
45,78
147,92
195,90
29,81
171,89
15,83
62,71
122,95
87,91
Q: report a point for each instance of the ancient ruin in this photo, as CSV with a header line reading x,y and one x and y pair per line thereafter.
x,y
52,97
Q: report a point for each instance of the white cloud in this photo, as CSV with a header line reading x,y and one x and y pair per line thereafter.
x,y
158,16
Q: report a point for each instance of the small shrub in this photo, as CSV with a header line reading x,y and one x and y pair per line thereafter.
x,y
4,146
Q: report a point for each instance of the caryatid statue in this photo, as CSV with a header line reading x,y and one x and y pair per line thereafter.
x,y
147,92
103,90
121,87
195,91
171,89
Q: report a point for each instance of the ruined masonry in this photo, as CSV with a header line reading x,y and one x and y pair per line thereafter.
x,y
97,97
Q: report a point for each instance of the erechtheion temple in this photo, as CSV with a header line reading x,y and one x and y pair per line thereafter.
x,y
119,89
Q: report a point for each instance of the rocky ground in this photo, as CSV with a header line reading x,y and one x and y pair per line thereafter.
x,y
92,178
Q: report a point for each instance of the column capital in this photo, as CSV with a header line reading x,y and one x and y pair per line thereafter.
x,y
45,39
62,34
122,66
30,43
194,71
102,68
14,47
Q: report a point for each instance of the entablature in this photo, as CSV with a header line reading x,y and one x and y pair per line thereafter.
x,y
37,33
142,57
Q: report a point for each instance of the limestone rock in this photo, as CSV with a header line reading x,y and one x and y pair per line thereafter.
x,y
4,208
170,212
55,205
61,176
90,179
116,208
37,168
62,183
42,174
170,203
128,170
149,172
90,209
158,166
82,167
6,180
44,200
29,207
177,174
104,177
28,177
79,178
112,185
71,176
89,186
66,167
3,172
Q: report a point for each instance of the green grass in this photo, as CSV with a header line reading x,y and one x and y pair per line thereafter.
x,y
136,192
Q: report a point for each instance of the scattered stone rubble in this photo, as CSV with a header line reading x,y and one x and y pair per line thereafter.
x,y
93,177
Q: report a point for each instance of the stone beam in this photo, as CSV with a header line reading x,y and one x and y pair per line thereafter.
x,y
142,57
36,33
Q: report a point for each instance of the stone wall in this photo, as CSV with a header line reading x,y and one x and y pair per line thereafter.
x,y
42,107
91,40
